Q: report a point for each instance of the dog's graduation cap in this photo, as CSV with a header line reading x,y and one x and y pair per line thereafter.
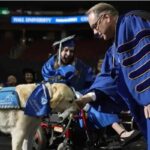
x,y
65,42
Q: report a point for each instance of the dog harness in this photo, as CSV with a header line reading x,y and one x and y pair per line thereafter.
x,y
9,98
38,103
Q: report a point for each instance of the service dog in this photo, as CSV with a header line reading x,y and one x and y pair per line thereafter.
x,y
23,127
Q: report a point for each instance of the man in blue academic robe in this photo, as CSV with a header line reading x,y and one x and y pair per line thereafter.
x,y
130,34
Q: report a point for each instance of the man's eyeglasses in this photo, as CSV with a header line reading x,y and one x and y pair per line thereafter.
x,y
94,26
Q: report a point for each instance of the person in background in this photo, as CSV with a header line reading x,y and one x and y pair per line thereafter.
x,y
28,76
82,80
98,66
130,35
11,80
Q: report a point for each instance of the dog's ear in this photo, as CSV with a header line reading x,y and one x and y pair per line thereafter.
x,y
57,95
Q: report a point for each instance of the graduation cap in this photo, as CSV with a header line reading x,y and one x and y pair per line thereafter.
x,y
65,42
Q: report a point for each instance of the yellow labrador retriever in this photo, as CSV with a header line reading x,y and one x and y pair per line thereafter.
x,y
22,127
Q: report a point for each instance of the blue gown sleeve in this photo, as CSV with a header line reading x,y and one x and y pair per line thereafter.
x,y
133,47
48,69
105,86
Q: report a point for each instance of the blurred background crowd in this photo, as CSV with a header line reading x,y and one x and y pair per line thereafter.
x,y
25,47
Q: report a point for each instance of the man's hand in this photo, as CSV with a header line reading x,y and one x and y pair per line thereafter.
x,y
147,111
82,101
